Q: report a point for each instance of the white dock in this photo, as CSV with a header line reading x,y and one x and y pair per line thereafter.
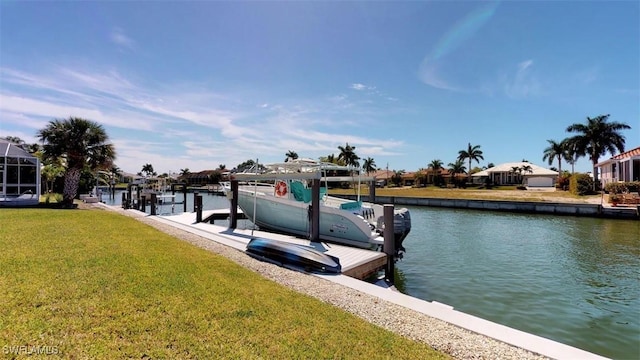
x,y
355,262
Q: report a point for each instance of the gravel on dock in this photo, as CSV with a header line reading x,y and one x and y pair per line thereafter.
x,y
440,335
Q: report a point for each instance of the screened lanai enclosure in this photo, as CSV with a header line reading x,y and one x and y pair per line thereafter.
x,y
20,175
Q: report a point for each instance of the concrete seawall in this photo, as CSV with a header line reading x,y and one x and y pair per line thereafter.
x,y
530,207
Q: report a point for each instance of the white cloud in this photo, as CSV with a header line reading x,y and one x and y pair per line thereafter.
x,y
429,74
119,38
523,83
174,125
358,87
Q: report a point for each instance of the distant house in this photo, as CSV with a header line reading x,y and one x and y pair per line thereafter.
x,y
200,178
383,177
623,167
506,174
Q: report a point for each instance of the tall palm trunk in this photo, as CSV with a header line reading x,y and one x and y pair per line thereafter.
x,y
595,175
71,184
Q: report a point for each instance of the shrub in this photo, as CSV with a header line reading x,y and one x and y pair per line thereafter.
x,y
616,188
563,182
633,186
614,198
580,184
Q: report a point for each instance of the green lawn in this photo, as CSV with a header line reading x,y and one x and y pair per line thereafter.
x,y
95,284
506,193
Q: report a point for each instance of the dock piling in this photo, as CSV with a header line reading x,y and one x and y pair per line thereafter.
x,y
198,205
154,199
315,210
389,246
233,201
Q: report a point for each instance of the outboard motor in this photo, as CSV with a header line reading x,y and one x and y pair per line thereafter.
x,y
401,228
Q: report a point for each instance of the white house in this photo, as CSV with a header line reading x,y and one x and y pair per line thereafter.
x,y
623,167
506,173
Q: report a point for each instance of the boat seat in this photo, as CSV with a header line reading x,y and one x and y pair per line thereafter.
x,y
300,193
351,205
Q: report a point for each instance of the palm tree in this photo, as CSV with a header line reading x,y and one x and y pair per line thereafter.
x,y
348,155
570,153
369,165
556,150
14,139
472,153
222,167
436,166
82,143
396,178
596,138
514,170
148,169
291,155
526,169
50,172
456,168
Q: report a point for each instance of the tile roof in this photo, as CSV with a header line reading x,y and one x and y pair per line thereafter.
x,y
628,154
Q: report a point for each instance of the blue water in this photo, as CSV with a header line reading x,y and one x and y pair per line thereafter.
x,y
575,280
571,279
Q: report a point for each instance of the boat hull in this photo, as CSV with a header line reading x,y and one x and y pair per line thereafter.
x,y
293,218
296,255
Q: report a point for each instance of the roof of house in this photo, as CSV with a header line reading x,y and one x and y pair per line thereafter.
x,y
625,155
382,174
507,167
10,149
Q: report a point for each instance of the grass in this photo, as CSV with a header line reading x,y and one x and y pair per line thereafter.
x,y
95,284
507,193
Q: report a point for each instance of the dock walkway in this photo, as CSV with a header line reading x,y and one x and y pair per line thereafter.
x,y
355,262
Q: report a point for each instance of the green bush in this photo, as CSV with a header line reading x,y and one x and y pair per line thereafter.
x,y
581,184
616,188
52,197
633,186
563,182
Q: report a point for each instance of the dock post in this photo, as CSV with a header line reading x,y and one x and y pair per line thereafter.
x,y
143,208
138,194
184,196
372,192
154,198
195,206
129,199
197,203
233,210
389,246
315,210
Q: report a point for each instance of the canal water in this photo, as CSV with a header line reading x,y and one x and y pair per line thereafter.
x,y
575,280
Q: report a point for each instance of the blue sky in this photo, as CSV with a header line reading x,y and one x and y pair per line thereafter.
x,y
199,84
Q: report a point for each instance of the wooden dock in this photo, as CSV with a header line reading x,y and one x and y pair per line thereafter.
x,y
357,263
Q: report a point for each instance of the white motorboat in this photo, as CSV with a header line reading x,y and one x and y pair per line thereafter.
x,y
279,199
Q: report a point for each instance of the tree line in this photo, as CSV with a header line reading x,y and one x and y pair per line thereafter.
x,y
75,145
